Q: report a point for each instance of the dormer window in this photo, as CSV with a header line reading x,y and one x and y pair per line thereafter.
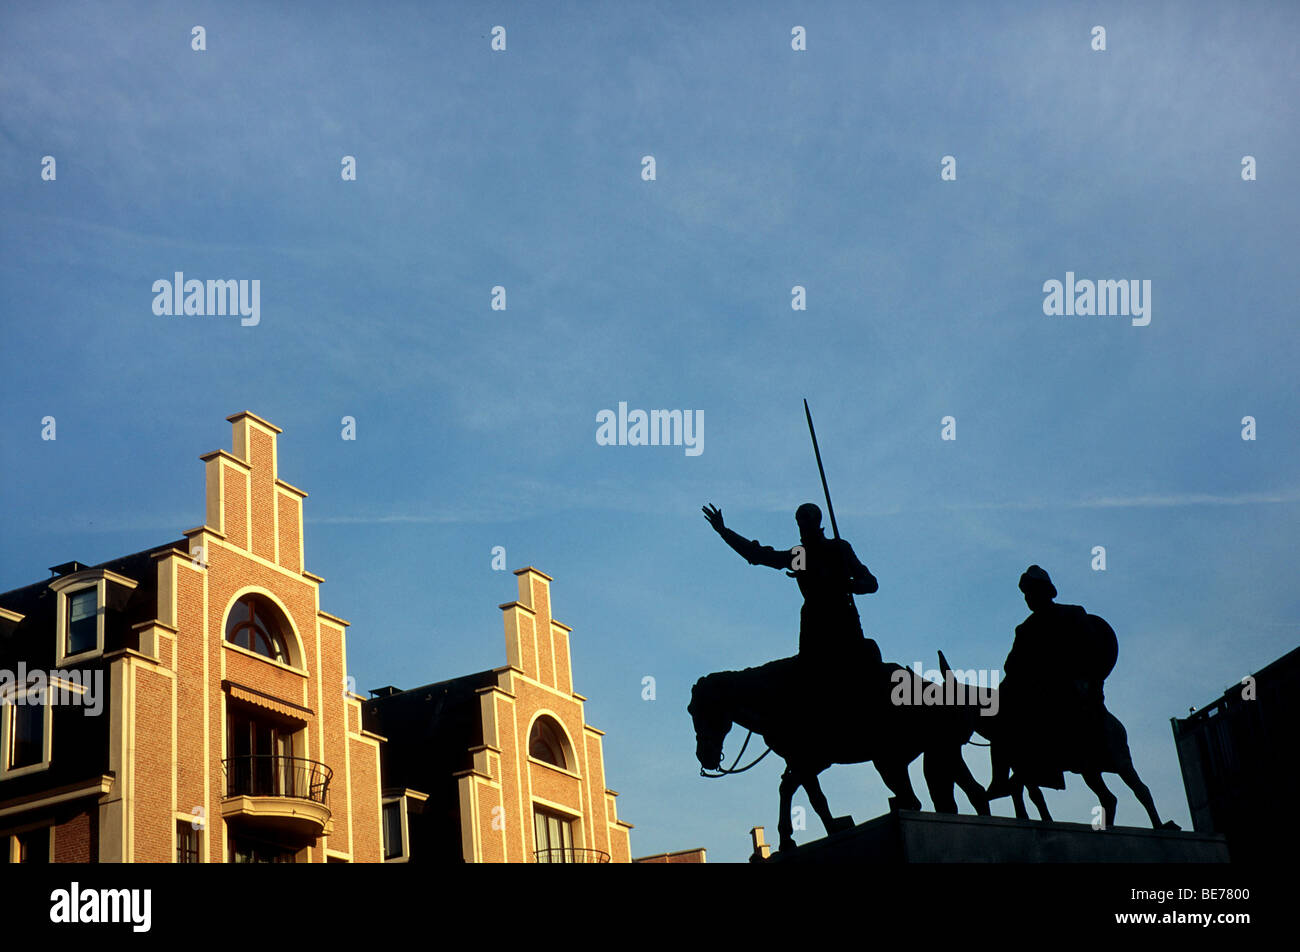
x,y
83,621
398,807
255,624
84,597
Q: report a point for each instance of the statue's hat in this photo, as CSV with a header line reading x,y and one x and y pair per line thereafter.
x,y
1036,577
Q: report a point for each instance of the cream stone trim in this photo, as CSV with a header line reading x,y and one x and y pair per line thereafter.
x,y
227,457
469,843
323,718
73,580
250,415
209,837
287,573
281,484
311,817
289,669
12,616
86,788
528,568
275,516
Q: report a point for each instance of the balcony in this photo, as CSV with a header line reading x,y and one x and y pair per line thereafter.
x,y
278,795
570,854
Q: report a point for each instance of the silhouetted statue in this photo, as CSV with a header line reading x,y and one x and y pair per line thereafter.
x,y
832,702
828,574
1051,693
1052,716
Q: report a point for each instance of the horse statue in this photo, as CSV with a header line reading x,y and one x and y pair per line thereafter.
x,y
810,725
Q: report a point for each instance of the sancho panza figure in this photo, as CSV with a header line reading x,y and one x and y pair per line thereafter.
x,y
829,575
1052,695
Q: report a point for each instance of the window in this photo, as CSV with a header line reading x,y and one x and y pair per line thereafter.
x,y
546,743
260,759
552,836
187,842
30,847
83,621
24,731
255,623
394,841
28,734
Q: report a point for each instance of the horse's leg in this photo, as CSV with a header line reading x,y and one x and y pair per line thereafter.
x,y
1018,798
897,780
1104,796
1001,783
1040,802
1128,773
785,826
812,786
971,787
937,767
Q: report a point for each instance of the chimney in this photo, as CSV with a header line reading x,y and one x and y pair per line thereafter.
x,y
761,850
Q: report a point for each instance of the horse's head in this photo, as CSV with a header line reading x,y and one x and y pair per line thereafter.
x,y
711,722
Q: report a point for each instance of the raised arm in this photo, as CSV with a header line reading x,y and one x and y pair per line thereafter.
x,y
750,550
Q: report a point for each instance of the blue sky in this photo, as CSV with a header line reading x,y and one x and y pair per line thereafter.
x,y
775,168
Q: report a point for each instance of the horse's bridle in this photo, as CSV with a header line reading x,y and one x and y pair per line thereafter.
x,y
724,771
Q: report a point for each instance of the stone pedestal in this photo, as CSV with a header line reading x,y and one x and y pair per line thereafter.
x,y
907,836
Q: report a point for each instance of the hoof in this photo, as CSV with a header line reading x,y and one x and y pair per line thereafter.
x,y
839,824
999,789
786,845
1169,825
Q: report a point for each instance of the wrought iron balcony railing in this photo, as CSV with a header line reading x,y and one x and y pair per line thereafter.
x,y
570,854
270,775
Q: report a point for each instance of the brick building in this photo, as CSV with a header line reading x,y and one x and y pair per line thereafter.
x,y
187,703
499,766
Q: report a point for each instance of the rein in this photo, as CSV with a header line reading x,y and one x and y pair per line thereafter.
x,y
724,771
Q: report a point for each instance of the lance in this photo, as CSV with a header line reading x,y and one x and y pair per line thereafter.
x,y
825,489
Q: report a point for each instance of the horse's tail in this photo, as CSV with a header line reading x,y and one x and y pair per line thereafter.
x,y
944,668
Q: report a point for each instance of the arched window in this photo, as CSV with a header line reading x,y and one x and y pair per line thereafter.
x,y
256,624
546,743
